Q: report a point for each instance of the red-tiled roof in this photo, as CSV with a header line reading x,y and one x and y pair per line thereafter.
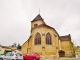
x,y
38,17
65,38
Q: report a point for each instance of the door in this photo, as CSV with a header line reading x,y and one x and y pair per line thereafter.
x,y
61,53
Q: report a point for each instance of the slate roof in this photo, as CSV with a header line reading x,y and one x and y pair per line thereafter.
x,y
65,38
38,17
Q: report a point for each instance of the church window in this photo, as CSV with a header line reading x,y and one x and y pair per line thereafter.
x,y
37,39
35,25
48,39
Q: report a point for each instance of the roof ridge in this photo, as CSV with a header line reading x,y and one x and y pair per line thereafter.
x,y
65,35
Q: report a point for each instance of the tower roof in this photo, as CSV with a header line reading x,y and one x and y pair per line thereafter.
x,y
38,17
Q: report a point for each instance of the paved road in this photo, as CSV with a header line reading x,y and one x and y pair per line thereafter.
x,y
63,59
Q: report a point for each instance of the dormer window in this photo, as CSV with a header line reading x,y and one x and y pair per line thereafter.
x,y
35,25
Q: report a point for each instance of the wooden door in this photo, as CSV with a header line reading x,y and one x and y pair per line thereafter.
x,y
61,53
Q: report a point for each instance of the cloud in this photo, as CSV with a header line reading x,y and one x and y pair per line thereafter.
x,y
15,17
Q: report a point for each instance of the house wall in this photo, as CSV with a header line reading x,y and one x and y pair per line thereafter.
x,y
67,46
2,49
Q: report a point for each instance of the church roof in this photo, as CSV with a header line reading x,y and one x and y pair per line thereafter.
x,y
44,25
38,17
65,38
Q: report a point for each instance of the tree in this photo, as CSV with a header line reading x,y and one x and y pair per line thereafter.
x,y
13,45
4,52
18,47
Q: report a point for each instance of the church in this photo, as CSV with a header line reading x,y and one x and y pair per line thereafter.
x,y
45,41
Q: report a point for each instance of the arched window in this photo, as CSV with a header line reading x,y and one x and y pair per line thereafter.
x,y
37,39
48,39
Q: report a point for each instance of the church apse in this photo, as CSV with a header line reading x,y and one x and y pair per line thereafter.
x,y
45,40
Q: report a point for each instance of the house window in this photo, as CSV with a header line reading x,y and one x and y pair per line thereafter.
x,y
48,39
35,25
37,39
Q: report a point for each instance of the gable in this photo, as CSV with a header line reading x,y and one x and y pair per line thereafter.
x,y
45,26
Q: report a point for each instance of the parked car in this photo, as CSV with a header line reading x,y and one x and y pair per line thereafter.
x,y
31,56
11,56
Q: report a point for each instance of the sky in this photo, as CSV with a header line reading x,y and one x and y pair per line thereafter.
x,y
16,17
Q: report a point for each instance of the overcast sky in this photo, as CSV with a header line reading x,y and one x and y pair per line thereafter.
x,y
16,17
